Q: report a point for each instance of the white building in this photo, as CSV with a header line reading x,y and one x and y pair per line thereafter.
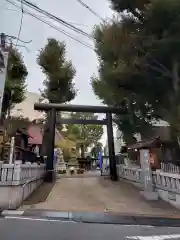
x,y
25,109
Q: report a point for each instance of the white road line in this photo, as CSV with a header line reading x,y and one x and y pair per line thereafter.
x,y
142,226
159,237
38,219
11,212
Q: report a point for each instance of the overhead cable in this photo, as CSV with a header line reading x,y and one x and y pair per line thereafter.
x,y
21,22
54,27
90,9
55,18
20,40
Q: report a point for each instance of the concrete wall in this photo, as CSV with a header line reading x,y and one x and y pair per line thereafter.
x,y
17,182
11,197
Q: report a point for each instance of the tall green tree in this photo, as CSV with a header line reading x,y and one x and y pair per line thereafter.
x,y
139,64
15,85
59,72
134,7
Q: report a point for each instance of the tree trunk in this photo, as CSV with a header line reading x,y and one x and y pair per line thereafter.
x,y
175,77
82,151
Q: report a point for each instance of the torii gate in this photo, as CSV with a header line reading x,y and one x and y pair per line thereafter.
x,y
53,107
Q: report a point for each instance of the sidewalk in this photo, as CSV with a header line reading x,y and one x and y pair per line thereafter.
x,y
96,194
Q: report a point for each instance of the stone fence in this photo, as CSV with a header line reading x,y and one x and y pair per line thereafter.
x,y
166,185
18,181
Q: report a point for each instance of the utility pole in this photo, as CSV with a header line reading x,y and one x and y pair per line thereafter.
x,y
3,67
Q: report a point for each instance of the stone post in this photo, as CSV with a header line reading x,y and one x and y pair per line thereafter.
x,y
17,173
148,192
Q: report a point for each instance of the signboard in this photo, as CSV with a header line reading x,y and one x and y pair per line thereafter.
x,y
145,165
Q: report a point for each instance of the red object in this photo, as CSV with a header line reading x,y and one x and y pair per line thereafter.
x,y
36,135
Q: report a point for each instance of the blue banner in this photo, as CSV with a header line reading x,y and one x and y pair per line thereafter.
x,y
55,156
100,159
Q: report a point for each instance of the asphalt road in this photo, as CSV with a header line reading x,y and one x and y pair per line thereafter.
x,y
15,228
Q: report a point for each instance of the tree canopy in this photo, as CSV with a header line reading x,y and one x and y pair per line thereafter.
x,y
139,64
68,148
59,72
84,135
15,85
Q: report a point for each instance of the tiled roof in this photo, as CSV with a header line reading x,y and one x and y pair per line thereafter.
x,y
145,144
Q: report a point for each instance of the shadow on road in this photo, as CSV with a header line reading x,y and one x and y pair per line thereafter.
x,y
40,194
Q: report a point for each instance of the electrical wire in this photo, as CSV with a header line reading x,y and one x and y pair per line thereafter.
x,y
21,22
90,9
13,37
73,23
57,19
54,27
18,45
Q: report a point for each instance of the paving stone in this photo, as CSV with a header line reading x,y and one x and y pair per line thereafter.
x,y
96,194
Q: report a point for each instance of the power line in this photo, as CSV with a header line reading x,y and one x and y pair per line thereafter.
x,y
73,23
13,37
54,27
18,45
21,22
90,9
51,16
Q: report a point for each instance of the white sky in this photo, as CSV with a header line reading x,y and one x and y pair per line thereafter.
x,y
84,59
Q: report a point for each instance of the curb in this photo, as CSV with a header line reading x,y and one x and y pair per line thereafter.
x,y
94,218
5,213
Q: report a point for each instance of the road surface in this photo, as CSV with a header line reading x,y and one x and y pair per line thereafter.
x,y
44,229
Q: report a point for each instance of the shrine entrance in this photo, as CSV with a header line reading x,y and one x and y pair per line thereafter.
x,y
52,108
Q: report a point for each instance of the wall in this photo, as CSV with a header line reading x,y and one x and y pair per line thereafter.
x,y
11,197
17,182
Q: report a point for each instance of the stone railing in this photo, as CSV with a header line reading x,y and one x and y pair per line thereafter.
x,y
15,174
167,185
13,177
167,181
133,174
170,168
